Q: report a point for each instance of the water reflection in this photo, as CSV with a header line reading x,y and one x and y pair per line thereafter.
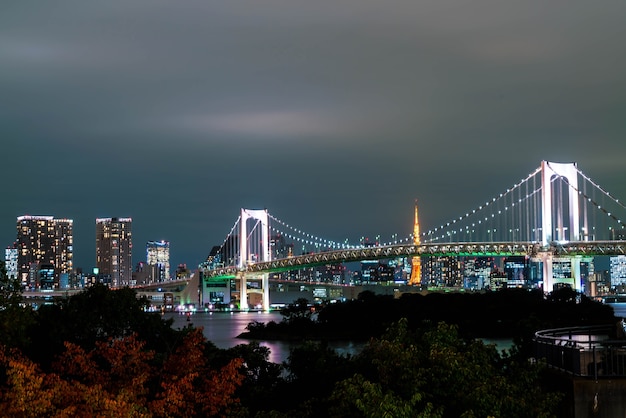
x,y
222,328
619,309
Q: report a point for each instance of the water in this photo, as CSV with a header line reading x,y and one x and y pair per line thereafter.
x,y
222,329
619,309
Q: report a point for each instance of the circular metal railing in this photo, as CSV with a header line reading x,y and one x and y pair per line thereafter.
x,y
593,351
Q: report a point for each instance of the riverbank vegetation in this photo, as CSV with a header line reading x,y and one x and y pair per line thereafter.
x,y
512,314
100,354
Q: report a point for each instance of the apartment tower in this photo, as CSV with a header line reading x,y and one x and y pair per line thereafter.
x,y
114,249
43,243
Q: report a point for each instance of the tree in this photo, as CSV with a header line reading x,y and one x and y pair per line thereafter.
x,y
297,312
95,315
30,392
190,387
120,377
262,381
434,372
10,290
15,319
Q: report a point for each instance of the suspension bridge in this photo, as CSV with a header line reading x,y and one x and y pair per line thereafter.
x,y
555,214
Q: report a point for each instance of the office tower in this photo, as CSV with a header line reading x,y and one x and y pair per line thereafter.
x,y
114,249
158,254
416,262
43,241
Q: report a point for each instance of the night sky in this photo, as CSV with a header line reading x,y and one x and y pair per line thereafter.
x,y
333,115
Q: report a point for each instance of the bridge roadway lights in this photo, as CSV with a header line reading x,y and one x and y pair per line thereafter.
x,y
244,278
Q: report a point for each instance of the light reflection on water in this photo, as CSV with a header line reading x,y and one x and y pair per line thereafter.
x,y
619,309
222,329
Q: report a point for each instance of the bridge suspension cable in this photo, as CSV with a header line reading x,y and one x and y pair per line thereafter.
x,y
591,201
307,238
494,219
512,216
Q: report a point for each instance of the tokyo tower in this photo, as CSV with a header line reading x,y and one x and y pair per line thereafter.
x,y
416,262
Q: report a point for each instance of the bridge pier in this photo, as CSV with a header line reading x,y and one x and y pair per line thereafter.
x,y
259,284
546,261
568,263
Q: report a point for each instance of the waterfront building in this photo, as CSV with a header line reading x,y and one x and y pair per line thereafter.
x,y
368,270
401,270
618,270
497,280
331,273
476,272
443,271
114,249
43,243
144,274
572,271
182,272
279,247
517,271
95,277
10,262
158,255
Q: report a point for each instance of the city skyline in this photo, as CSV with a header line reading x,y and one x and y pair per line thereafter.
x,y
334,116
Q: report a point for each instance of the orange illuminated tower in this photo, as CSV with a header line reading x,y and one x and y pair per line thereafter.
x,y
416,262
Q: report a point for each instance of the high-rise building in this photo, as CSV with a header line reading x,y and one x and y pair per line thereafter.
x,y
10,262
516,270
43,241
476,272
64,247
618,270
158,254
443,271
114,249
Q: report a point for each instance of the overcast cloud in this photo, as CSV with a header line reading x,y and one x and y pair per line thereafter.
x,y
334,115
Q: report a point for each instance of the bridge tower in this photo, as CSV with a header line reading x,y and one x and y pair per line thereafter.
x,y
416,262
569,172
245,257
549,233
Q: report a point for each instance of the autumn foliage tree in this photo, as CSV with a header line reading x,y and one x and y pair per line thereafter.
x,y
119,377
188,385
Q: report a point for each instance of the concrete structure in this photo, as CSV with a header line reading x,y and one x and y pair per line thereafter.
x,y
618,270
114,249
43,240
158,254
254,283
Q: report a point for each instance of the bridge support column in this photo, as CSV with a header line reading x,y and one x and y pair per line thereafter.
x,y
546,261
568,271
243,291
262,289
266,292
575,260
